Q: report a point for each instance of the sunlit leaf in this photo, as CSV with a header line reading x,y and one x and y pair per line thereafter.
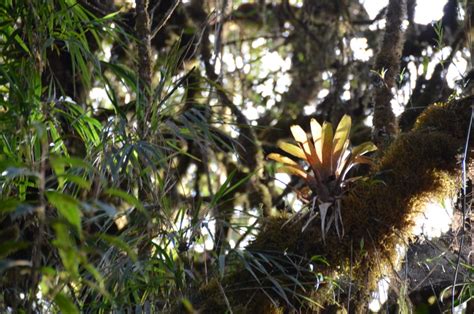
x,y
340,137
363,148
108,16
292,150
282,159
316,132
327,140
292,170
298,133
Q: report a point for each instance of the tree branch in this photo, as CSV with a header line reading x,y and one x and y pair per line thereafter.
x,y
143,29
387,66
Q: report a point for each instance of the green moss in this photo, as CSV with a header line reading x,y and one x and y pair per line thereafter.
x,y
210,299
451,118
378,213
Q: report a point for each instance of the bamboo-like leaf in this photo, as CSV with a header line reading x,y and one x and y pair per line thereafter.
x,y
292,170
68,207
282,159
316,132
292,150
65,303
340,138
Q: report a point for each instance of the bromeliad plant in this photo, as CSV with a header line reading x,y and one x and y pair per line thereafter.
x,y
328,157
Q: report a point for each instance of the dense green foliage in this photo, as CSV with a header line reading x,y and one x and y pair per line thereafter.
x,y
124,192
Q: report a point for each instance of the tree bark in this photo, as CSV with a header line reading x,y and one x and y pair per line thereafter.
x,y
387,66
143,29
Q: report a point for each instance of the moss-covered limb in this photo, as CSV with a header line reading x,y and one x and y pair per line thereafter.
x,y
143,30
387,65
378,214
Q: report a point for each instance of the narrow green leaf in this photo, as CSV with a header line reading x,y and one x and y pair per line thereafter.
x,y
66,248
68,207
65,304
108,16
126,197
119,244
226,188
78,180
238,183
12,32
63,161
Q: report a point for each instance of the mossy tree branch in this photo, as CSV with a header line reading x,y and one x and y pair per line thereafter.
x,y
387,65
419,166
143,29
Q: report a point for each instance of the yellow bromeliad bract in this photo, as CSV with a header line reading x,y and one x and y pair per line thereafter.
x,y
329,157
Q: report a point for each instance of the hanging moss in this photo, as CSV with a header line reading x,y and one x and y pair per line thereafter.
x,y
378,214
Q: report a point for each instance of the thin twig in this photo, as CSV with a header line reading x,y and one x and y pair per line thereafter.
x,y
165,18
41,212
225,298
